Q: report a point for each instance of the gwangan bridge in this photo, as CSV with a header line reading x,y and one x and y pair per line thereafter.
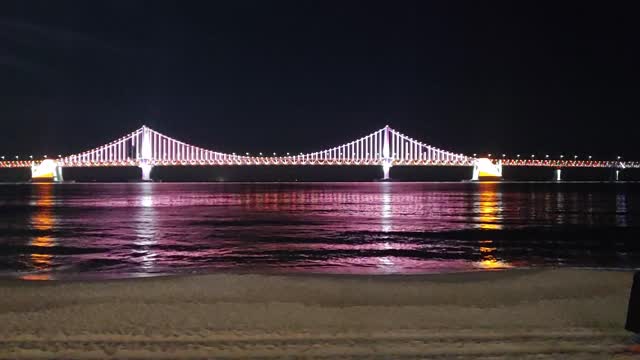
x,y
146,148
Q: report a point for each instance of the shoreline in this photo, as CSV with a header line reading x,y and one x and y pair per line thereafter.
x,y
99,277
516,313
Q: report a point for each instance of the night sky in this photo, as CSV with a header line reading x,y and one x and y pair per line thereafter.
x,y
470,77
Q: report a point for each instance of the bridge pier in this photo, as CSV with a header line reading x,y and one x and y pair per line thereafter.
x,y
146,171
386,167
615,174
485,169
46,171
557,175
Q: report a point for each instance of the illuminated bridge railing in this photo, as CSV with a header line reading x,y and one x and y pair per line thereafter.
x,y
385,147
147,146
570,163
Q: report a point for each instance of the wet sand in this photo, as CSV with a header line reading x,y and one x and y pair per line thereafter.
x,y
515,314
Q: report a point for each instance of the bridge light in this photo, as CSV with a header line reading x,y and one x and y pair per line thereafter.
x,y
274,154
2,157
260,154
575,157
474,155
532,156
59,156
619,157
489,155
287,154
589,157
518,156
247,154
30,156
503,155
546,156
561,156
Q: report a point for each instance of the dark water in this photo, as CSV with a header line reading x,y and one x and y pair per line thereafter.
x,y
62,231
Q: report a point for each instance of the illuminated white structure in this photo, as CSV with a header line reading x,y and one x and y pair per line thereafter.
x,y
145,159
47,170
485,169
146,148
387,162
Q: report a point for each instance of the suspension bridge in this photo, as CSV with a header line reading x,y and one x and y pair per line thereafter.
x,y
146,148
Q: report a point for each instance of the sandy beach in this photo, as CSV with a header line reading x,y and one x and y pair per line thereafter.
x,y
515,314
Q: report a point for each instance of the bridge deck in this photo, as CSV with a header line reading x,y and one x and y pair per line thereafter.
x,y
297,161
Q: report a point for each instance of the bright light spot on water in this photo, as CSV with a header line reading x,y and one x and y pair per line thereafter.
x,y
146,201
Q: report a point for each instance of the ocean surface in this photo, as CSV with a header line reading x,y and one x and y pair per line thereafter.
x,y
113,230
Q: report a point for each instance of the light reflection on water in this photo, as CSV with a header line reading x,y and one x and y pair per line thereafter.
x,y
42,221
145,229
489,217
66,230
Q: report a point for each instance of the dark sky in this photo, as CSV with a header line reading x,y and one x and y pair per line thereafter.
x,y
241,75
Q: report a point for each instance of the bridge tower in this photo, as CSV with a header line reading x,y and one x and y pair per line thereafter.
x,y
145,154
387,161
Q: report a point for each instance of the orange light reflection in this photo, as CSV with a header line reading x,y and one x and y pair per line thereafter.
x,y
42,220
489,215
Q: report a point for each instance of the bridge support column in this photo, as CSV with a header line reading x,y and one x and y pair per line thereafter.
x,y
557,175
385,170
615,174
146,171
58,177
